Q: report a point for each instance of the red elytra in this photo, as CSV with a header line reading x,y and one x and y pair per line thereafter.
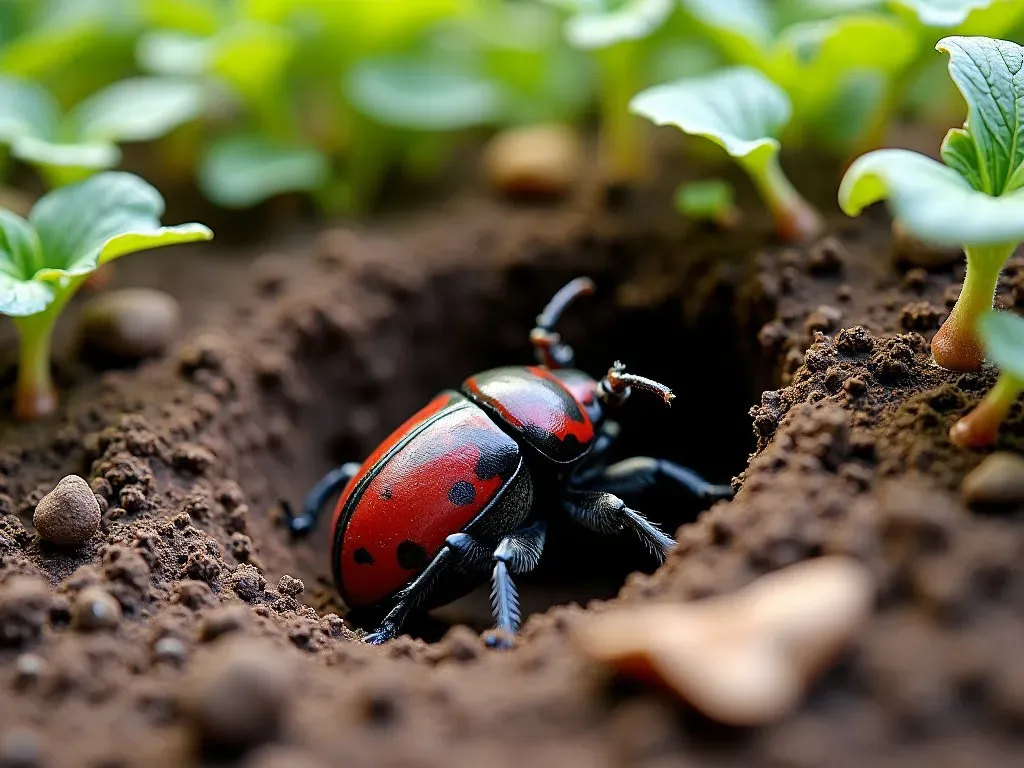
x,y
429,479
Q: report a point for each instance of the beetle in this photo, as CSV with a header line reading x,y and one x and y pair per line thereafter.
x,y
463,488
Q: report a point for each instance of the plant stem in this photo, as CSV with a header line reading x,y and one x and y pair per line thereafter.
x,y
35,395
621,149
796,220
979,427
957,346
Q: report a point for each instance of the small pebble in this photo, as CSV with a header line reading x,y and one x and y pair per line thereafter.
x,y
28,668
235,696
95,609
19,748
999,479
130,323
909,250
170,650
534,161
744,659
68,515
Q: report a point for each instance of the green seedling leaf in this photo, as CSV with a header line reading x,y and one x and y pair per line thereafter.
x,y
739,109
241,171
72,147
20,254
990,76
933,201
1003,334
422,94
105,217
44,259
744,29
138,109
987,16
743,112
26,109
712,200
603,23
166,52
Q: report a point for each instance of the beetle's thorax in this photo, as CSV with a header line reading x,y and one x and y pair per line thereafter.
x,y
536,407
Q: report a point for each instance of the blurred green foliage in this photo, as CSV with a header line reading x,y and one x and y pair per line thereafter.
x,y
254,98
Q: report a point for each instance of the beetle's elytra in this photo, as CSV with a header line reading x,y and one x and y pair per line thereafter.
x,y
448,497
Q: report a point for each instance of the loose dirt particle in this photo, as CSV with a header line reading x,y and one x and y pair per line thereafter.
x,y
826,257
130,323
68,515
746,658
999,479
289,586
95,609
223,621
24,605
235,695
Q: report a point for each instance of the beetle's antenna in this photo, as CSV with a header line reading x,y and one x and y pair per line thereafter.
x,y
617,385
550,349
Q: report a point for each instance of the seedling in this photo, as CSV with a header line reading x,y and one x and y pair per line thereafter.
x,y
404,107
44,259
833,66
1003,336
710,200
615,31
70,147
266,154
743,112
973,198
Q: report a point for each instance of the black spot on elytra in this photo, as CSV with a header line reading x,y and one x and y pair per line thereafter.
x,y
497,461
462,493
362,556
385,494
411,556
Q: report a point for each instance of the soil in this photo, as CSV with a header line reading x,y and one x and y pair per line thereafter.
x,y
803,372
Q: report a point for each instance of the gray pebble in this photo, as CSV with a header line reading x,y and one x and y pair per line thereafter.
x,y
95,609
130,323
999,479
69,514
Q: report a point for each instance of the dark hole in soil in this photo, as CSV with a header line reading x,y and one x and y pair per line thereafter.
x,y
461,323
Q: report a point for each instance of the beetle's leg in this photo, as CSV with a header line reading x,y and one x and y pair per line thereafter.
x,y
550,349
606,513
641,472
517,553
331,483
460,551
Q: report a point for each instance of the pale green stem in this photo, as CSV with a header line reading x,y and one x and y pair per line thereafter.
x,y
621,148
980,427
796,220
35,394
61,175
957,345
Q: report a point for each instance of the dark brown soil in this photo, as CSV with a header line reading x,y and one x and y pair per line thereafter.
x,y
230,647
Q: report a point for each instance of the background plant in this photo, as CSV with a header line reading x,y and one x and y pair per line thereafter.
x,y
45,259
973,197
1003,336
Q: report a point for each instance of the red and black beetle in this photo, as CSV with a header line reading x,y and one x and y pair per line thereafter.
x,y
449,496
